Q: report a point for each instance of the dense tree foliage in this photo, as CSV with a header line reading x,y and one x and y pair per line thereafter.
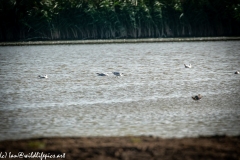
x,y
105,19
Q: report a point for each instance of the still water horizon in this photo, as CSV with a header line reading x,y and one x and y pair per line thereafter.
x,y
152,98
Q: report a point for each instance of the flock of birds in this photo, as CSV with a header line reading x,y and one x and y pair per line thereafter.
x,y
118,74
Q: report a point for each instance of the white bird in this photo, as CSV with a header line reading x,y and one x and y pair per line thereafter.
x,y
117,74
102,74
237,72
45,76
188,66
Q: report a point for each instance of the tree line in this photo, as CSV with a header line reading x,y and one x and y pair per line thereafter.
x,y
24,20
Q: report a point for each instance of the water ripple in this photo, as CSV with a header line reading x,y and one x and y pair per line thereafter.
x,y
152,98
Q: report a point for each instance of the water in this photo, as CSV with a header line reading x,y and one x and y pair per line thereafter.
x,y
152,98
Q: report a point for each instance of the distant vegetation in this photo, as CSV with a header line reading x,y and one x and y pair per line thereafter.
x,y
114,19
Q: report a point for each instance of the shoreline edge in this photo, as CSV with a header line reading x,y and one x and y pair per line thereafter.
x,y
109,41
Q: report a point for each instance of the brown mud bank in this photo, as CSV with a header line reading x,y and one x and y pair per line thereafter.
x,y
105,41
124,148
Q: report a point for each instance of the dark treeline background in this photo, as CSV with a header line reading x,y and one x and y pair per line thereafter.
x,y
111,19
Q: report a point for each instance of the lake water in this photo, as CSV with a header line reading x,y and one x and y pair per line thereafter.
x,y
152,98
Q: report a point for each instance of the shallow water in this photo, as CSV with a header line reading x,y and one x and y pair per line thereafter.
x,y
152,98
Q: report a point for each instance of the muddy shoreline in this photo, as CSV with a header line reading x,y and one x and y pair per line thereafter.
x,y
126,148
102,41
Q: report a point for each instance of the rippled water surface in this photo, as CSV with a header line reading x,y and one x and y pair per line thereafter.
x,y
152,98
